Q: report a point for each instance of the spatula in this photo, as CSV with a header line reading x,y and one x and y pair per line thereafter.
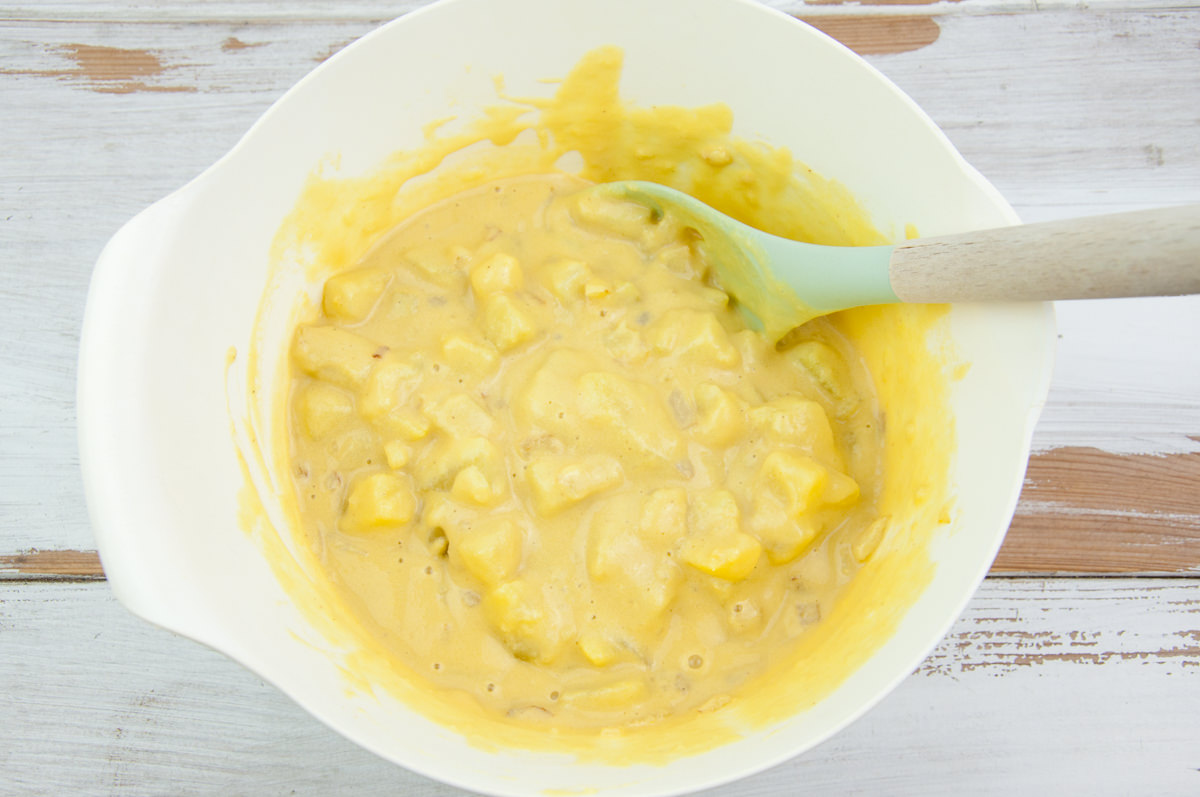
x,y
780,284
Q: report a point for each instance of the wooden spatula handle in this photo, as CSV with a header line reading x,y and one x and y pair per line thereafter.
x,y
1143,253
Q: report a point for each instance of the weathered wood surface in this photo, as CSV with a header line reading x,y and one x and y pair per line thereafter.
x,y
1072,686
1063,685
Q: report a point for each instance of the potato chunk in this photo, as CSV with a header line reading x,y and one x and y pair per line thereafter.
x,y
730,557
601,410
378,501
530,625
783,537
839,489
629,414
566,278
798,481
720,415
323,409
439,463
625,343
353,448
388,399
492,552
788,490
803,484
663,521
506,323
636,584
406,422
500,273
597,649
695,335
716,544
397,454
548,399
799,422
620,218
560,481
390,386
596,289
351,295
334,355
471,486
460,415
468,353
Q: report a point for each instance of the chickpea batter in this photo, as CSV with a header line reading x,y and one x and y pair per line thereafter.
x,y
546,488
538,449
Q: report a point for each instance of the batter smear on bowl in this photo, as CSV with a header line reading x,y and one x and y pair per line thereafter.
x,y
544,475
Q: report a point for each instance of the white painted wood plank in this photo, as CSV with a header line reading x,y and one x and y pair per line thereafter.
x,y
1068,112
75,164
1073,686
1127,377
376,10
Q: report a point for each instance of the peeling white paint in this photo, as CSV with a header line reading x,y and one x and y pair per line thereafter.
x,y
1183,519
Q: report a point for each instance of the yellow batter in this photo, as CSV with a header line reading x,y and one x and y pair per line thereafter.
x,y
554,469
546,476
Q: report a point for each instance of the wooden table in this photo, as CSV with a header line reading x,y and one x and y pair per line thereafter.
x,y
1075,669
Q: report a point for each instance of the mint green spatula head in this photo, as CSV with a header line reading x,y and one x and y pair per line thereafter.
x,y
779,284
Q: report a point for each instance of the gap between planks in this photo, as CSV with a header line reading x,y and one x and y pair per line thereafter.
x,y
51,565
1082,512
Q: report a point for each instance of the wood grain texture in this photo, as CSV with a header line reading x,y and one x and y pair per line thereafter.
x,y
1140,253
879,35
1088,511
1073,686
33,564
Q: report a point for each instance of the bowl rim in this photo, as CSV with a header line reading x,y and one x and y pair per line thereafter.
x,y
91,397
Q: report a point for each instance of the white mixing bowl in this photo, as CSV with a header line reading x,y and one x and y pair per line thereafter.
x,y
180,284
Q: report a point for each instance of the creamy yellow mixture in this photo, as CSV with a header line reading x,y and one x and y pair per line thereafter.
x,y
545,476
539,451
